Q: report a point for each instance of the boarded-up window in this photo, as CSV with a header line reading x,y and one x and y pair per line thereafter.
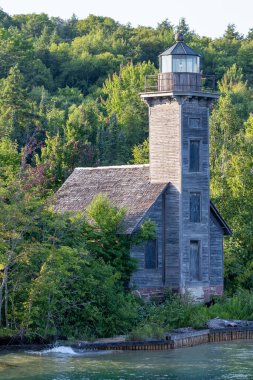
x,y
151,254
195,260
195,207
194,122
194,155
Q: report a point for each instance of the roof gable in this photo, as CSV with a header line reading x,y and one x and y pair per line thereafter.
x,y
224,226
126,186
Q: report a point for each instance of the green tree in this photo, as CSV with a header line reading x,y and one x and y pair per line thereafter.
x,y
231,33
112,247
15,110
93,23
230,172
111,143
141,153
122,99
20,207
5,19
66,97
9,158
77,296
33,25
245,59
52,157
60,274
226,123
184,28
240,181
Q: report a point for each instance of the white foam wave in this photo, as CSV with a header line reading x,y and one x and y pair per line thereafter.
x,y
55,350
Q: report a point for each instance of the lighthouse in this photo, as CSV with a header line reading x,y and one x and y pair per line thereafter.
x,y
179,155
173,190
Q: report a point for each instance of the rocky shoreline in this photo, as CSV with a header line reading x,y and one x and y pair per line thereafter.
x,y
218,330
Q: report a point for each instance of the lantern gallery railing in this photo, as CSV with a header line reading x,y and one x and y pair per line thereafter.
x,y
183,82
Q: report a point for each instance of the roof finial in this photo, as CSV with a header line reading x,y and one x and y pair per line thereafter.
x,y
179,37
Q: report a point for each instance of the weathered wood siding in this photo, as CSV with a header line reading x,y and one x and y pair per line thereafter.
x,y
195,182
165,166
175,121
216,253
164,141
150,278
170,136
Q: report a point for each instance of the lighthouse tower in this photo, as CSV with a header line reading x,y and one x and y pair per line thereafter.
x,y
179,154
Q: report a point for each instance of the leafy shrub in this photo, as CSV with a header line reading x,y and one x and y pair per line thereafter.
x,y
147,331
77,296
181,311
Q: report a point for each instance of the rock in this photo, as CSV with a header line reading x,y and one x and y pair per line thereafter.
x,y
230,324
218,323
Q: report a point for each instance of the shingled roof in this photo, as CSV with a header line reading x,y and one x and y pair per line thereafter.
x,y
126,186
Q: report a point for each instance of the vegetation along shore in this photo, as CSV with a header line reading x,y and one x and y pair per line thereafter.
x,y
70,98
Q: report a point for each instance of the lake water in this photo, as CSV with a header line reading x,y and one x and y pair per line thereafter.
x,y
213,361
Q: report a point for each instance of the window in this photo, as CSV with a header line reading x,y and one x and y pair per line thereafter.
x,y
179,64
185,64
151,254
195,260
192,64
194,156
194,122
166,61
195,207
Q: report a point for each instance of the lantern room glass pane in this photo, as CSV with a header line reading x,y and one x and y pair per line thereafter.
x,y
166,64
185,64
197,65
179,64
192,64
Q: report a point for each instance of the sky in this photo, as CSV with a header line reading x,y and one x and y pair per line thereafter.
x,y
208,18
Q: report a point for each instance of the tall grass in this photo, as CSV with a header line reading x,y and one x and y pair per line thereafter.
x,y
181,311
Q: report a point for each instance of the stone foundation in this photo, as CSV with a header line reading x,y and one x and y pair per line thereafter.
x,y
198,293
216,290
202,293
150,293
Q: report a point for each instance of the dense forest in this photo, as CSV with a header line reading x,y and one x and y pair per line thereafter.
x,y
69,97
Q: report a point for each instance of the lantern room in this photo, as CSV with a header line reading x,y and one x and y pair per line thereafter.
x,y
179,58
179,68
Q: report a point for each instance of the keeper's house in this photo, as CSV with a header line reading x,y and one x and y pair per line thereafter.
x,y
173,190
